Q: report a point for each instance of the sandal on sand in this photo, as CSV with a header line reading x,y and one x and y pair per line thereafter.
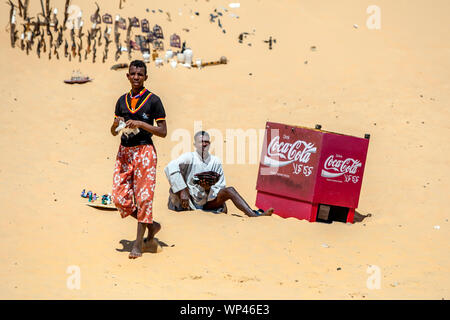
x,y
261,212
258,212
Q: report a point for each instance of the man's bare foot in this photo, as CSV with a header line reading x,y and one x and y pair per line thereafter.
x,y
152,230
136,252
150,243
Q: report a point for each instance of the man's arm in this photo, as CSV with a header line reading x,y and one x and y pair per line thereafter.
x,y
159,130
117,118
174,174
176,180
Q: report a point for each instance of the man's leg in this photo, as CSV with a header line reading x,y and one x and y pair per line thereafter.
x,y
143,187
230,193
137,247
122,193
153,228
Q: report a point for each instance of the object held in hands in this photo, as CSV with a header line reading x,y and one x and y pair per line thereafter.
x,y
209,177
121,128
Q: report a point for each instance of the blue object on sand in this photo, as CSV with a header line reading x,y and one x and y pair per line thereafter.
x,y
258,212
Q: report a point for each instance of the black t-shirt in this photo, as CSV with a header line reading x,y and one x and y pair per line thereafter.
x,y
149,108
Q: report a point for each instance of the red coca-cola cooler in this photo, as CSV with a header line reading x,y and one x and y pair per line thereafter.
x,y
310,174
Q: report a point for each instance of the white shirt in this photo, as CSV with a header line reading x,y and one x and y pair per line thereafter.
x,y
180,173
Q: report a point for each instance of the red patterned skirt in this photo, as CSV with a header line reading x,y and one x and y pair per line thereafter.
x,y
134,181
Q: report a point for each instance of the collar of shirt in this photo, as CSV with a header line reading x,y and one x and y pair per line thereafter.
x,y
138,95
205,160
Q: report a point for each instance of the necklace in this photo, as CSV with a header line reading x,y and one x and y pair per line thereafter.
x,y
138,96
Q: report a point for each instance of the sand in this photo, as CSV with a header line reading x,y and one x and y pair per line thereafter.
x,y
392,83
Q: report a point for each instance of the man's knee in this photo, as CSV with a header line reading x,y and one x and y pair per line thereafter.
x,y
231,189
229,192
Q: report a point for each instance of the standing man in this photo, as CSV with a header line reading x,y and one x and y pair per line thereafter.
x,y
135,170
190,190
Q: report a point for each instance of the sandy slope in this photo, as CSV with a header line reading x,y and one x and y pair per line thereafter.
x,y
392,83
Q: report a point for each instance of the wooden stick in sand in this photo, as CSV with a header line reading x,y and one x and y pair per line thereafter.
x,y
80,32
50,41
66,49
106,35
59,40
20,8
43,9
47,9
88,49
38,49
66,14
12,22
117,38
129,38
44,46
48,16
37,27
74,49
94,53
99,36
80,47
96,16
25,9
55,48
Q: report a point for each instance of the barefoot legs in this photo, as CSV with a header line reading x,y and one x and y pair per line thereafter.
x,y
136,252
148,244
230,193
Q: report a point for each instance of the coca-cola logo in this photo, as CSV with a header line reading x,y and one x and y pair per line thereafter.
x,y
337,167
298,151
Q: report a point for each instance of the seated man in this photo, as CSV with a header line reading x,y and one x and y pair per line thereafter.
x,y
197,181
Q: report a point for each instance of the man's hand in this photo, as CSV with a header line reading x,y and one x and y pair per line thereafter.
x,y
205,184
115,125
133,124
117,120
184,197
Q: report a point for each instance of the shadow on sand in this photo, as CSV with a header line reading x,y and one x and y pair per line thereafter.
x,y
128,245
